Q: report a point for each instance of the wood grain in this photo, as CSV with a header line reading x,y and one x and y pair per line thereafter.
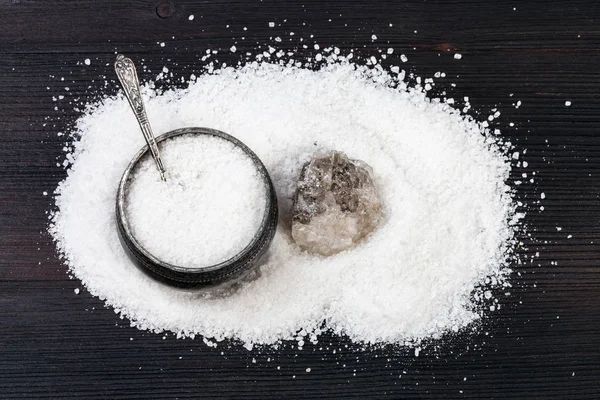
x,y
543,343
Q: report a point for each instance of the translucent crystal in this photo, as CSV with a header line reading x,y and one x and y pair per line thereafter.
x,y
336,204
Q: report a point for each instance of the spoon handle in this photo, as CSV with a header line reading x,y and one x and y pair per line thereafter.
x,y
127,74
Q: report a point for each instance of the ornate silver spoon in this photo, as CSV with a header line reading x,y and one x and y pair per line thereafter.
x,y
219,275
127,75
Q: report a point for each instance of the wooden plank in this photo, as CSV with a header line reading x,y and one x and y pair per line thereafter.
x,y
543,343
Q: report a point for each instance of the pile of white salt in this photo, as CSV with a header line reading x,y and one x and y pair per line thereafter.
x,y
448,222
207,211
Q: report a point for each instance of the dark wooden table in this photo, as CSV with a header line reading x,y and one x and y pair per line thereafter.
x,y
543,343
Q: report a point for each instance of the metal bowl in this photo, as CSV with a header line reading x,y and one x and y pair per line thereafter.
x,y
219,275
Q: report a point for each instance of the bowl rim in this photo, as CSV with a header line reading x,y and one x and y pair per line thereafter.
x,y
195,275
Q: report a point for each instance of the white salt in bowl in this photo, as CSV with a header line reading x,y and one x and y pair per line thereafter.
x,y
209,277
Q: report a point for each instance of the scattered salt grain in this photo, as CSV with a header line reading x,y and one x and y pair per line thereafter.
x,y
418,275
403,58
271,24
457,56
373,37
233,49
76,290
87,61
567,103
191,17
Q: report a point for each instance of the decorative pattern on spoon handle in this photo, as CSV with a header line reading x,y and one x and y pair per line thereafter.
x,y
127,75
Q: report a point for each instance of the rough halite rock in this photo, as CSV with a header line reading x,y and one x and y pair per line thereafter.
x,y
336,204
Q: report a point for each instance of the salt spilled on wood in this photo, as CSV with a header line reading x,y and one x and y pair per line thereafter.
x,y
448,225
207,211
